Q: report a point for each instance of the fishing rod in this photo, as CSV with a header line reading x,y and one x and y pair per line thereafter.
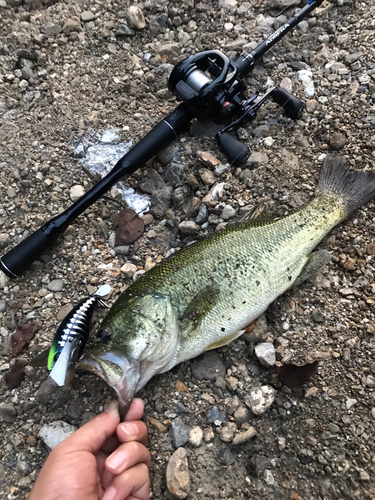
x,y
210,85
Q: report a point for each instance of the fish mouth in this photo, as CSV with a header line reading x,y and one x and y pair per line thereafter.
x,y
117,371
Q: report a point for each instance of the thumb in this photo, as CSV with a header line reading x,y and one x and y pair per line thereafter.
x,y
91,436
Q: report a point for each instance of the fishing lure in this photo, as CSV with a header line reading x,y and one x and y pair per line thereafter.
x,y
71,337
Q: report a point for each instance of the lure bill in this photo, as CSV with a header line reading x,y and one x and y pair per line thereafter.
x,y
71,337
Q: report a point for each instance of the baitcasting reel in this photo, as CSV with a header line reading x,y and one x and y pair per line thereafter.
x,y
211,86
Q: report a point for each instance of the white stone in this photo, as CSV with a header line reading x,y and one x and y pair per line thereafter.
x,y
76,192
54,433
135,17
350,402
196,436
129,269
265,352
305,76
260,399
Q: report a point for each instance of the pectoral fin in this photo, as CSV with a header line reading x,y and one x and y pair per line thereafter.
x,y
316,260
202,303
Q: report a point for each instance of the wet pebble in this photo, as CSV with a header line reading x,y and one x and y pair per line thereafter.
x,y
337,140
216,416
2,306
87,16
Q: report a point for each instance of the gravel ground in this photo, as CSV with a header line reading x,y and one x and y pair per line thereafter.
x,y
70,70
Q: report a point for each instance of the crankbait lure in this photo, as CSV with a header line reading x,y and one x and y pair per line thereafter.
x,y
71,337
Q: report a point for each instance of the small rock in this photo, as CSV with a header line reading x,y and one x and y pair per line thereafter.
x,y
15,375
260,399
135,17
245,436
257,158
227,432
371,248
123,249
172,173
196,437
178,432
311,105
216,416
318,316
208,159
208,177
268,477
202,215
241,415
55,285
76,192
281,441
350,403
157,424
305,76
266,354
4,240
3,306
8,412
188,228
219,170
72,24
87,16
363,475
129,269
177,475
208,435
337,140
51,29
55,432
228,212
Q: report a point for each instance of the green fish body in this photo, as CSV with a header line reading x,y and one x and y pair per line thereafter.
x,y
203,296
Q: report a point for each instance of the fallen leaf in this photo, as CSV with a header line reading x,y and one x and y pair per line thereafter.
x,y
128,227
23,336
294,376
16,374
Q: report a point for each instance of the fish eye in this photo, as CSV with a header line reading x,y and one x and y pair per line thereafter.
x,y
106,336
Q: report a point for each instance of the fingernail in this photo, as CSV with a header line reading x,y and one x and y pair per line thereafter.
x,y
117,460
113,408
130,429
110,493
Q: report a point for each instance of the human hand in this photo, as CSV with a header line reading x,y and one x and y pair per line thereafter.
x,y
103,460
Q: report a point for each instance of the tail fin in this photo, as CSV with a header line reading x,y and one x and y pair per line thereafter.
x,y
356,187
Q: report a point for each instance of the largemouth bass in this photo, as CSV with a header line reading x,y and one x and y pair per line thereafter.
x,y
203,296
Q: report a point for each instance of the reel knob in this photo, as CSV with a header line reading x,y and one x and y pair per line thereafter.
x,y
234,150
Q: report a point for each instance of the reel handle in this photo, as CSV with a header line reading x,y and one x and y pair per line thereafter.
x,y
234,150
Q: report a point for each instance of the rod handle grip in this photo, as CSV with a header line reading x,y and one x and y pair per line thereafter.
x,y
17,260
